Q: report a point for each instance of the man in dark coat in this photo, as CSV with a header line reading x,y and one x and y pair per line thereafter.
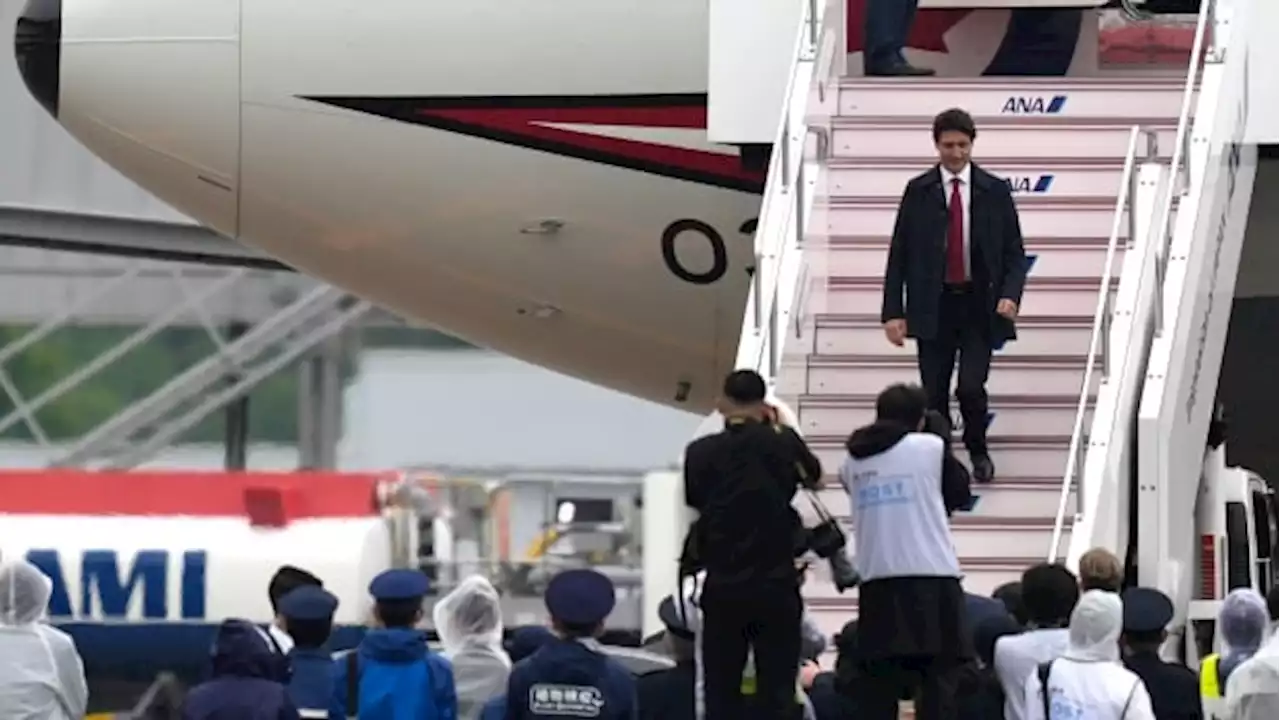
x,y
954,277
247,680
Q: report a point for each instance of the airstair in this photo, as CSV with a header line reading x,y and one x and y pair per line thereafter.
x,y
305,314
1067,170
1071,149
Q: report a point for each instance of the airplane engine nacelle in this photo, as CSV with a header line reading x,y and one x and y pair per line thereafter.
x,y
182,145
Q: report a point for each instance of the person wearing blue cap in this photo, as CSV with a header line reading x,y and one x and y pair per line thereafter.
x,y
307,616
571,676
669,693
1174,688
392,675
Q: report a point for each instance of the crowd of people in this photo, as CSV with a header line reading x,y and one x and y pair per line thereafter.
x,y
1052,646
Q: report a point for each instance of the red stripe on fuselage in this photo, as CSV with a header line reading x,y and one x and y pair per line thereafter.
x,y
521,121
531,124
196,494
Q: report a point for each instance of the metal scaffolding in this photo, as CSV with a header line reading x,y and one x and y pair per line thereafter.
x,y
259,323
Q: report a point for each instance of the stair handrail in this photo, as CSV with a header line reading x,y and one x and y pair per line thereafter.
x,y
1179,164
1100,338
1179,185
788,195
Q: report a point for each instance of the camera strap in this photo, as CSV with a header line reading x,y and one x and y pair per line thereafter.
x,y
824,515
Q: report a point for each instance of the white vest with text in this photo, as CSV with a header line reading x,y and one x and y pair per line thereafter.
x,y
899,522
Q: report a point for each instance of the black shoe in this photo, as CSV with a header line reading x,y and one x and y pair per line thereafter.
x,y
984,471
903,70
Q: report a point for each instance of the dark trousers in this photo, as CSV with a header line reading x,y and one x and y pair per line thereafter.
x,y
885,26
913,639
884,683
964,330
766,620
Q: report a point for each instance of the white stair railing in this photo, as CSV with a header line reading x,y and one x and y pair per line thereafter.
x,y
1099,355
775,303
1197,272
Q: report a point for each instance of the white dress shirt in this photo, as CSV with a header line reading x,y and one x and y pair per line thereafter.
x,y
964,176
282,639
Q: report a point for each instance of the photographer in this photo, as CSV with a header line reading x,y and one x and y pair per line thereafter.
x,y
912,633
747,536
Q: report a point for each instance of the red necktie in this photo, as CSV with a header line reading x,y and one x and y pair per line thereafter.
x,y
955,236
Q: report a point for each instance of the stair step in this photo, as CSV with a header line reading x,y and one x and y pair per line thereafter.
x,y
1023,456
999,499
1040,216
1121,102
1046,177
1043,296
1022,376
1065,258
982,575
883,139
1038,335
1015,415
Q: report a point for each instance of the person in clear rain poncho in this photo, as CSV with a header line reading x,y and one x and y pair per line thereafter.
x,y
469,622
1243,622
1248,671
1088,682
41,674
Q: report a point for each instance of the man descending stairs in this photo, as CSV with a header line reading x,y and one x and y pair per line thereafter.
x,y
1060,145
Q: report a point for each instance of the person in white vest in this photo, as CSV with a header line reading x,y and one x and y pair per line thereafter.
x,y
912,632
1253,690
1089,682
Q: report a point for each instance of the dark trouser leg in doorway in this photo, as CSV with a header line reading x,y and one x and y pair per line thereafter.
x,y
886,25
974,341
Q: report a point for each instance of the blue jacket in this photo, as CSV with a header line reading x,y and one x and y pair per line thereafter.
x,y
399,679
570,679
246,680
311,687
495,709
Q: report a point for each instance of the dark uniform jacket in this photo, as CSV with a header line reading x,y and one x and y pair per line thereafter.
x,y
247,679
1174,689
668,694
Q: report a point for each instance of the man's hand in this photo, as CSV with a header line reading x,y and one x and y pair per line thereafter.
x,y
1007,309
896,331
808,672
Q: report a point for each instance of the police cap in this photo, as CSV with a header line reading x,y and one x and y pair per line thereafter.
x,y
580,597
669,614
525,641
308,602
1146,610
399,585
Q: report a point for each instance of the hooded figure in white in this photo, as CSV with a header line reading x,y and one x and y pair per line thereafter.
x,y
469,622
1253,690
41,675
1088,682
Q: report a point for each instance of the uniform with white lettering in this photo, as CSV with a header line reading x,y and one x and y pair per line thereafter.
x,y
571,676
571,679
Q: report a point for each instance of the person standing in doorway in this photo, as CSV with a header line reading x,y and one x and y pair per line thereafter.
x,y
954,278
885,27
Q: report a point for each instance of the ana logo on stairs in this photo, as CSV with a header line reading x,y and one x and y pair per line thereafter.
x,y
1029,183
1033,105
